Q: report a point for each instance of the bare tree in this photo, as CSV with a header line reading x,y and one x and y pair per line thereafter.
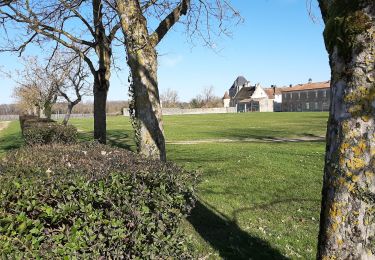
x,y
206,99
37,86
208,94
76,81
169,98
141,41
86,27
347,221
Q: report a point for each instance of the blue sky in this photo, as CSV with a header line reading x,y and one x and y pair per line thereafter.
x,y
278,43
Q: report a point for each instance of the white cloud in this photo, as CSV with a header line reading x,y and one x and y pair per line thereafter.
x,y
170,61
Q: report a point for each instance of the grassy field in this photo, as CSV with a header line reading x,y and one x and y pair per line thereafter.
x,y
257,199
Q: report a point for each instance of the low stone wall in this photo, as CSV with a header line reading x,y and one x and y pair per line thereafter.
x,y
193,111
9,117
54,116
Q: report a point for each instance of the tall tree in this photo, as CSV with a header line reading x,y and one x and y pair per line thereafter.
x,y
86,27
141,42
347,222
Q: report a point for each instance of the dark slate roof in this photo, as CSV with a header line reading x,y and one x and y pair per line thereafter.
x,y
244,93
240,80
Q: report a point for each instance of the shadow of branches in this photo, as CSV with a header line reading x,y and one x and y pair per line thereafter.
x,y
227,238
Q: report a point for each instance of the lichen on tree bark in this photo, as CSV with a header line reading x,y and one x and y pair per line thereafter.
x,y
347,224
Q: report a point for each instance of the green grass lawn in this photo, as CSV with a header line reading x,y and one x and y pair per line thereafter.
x,y
257,199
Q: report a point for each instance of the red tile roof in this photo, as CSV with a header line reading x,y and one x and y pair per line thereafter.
x,y
271,92
226,95
307,86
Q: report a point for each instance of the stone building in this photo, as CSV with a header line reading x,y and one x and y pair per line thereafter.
x,y
247,98
226,99
306,97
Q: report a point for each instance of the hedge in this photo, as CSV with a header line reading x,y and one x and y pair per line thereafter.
x,y
48,133
41,131
91,201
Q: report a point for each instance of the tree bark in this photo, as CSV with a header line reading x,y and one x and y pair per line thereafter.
x,y
68,113
102,75
145,107
46,111
100,101
347,221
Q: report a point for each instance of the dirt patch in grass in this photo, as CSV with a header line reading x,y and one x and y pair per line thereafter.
x,y
3,125
253,140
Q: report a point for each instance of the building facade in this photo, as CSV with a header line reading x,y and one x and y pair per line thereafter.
x,y
248,98
312,96
306,97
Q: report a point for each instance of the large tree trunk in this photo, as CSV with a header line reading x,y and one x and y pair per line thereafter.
x,y
100,101
68,113
347,222
102,75
145,107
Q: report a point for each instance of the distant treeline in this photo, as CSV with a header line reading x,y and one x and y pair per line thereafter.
x,y
113,107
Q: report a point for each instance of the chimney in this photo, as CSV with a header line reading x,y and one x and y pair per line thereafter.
x,y
290,85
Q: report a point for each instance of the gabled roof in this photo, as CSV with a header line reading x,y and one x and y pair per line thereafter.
x,y
308,86
240,81
271,92
244,93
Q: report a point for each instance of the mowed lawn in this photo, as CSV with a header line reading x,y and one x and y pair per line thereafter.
x,y
259,195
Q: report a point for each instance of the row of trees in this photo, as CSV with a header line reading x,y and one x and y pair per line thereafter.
x,y
91,28
60,107
207,98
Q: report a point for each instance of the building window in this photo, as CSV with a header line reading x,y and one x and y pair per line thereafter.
x,y
307,94
307,106
299,95
316,94
324,93
316,105
290,95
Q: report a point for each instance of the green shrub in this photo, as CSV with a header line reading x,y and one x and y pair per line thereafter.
x,y
91,201
29,120
40,133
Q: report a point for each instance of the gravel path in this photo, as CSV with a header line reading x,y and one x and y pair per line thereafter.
x,y
253,140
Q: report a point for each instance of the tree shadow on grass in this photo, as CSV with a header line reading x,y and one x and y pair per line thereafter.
x,y
121,139
118,138
227,238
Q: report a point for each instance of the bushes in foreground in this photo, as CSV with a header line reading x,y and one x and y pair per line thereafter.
x,y
92,201
40,131
49,133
